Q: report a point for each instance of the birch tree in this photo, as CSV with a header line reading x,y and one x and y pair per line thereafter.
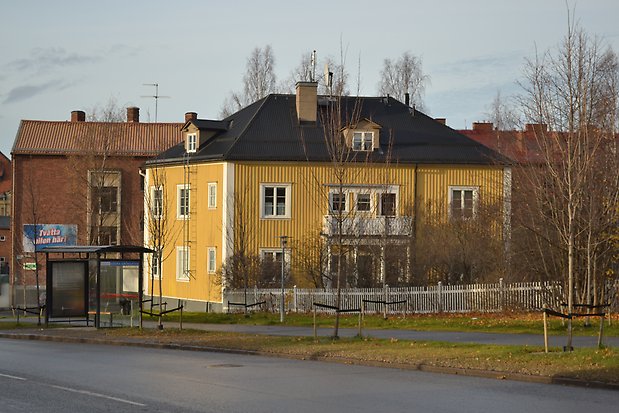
x,y
571,94
404,75
258,81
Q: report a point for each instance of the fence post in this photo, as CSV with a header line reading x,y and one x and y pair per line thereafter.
x,y
386,299
502,294
294,298
439,291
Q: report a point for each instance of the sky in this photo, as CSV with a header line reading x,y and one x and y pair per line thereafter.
x,y
64,55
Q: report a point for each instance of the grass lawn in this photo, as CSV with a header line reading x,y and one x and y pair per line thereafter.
x,y
512,323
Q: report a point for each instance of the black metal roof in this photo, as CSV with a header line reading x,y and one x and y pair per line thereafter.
x,y
268,130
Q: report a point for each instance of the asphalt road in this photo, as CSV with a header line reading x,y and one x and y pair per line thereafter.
x,y
59,377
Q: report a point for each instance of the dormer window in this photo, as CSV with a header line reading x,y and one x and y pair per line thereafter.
x,y
363,141
192,142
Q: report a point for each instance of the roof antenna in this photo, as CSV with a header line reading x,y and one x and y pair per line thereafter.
x,y
156,96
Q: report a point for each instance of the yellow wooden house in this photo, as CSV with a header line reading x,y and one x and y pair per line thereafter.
x,y
324,175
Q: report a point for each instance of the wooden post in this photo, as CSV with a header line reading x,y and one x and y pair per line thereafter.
x,y
545,330
315,333
361,317
601,334
181,322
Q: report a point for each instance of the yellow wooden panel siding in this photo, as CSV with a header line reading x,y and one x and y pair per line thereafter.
x,y
309,203
309,196
434,182
204,231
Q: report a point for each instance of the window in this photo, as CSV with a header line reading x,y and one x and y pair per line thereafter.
x,y
157,202
211,260
363,141
182,264
105,235
105,199
275,201
154,265
463,202
363,202
274,256
183,201
192,142
387,204
337,201
212,195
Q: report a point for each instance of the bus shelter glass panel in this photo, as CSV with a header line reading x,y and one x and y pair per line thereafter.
x,y
119,286
68,289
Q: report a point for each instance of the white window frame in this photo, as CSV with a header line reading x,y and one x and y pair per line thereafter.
x,y
361,139
212,195
2,238
156,208
179,188
182,254
154,266
474,189
211,260
336,192
370,196
273,253
192,142
287,206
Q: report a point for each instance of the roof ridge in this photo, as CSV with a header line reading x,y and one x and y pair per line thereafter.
x,y
249,122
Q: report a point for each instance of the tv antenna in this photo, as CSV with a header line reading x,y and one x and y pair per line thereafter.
x,y
156,96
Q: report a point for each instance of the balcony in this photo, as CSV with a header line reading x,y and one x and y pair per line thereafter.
x,y
360,226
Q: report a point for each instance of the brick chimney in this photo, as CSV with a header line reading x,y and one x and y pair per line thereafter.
x,y
78,116
133,114
307,101
483,126
442,121
190,116
536,127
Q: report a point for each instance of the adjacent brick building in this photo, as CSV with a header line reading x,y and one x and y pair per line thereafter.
x,y
78,182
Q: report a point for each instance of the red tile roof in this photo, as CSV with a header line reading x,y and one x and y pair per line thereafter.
x,y
113,138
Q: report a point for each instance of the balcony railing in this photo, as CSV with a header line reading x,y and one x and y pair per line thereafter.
x,y
360,226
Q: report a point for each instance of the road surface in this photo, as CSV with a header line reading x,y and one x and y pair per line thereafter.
x,y
59,377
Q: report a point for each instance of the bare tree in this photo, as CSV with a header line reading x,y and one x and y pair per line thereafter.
x,y
404,75
571,93
34,215
259,80
503,113
159,231
110,111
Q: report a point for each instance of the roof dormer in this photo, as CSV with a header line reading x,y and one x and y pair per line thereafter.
x,y
363,136
197,132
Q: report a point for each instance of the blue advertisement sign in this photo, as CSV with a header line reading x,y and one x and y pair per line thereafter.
x,y
48,235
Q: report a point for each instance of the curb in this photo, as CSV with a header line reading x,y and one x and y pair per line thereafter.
x,y
488,374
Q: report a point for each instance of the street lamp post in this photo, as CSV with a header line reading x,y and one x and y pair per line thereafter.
x,y
284,241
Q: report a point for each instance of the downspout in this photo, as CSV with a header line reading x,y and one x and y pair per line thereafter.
x,y
414,225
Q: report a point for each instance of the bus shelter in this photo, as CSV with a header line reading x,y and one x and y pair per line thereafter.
x,y
85,280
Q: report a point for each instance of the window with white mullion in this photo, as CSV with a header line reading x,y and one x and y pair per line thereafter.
x,y
275,201
363,141
463,202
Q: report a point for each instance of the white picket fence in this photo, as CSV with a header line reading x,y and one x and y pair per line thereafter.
x,y
429,299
